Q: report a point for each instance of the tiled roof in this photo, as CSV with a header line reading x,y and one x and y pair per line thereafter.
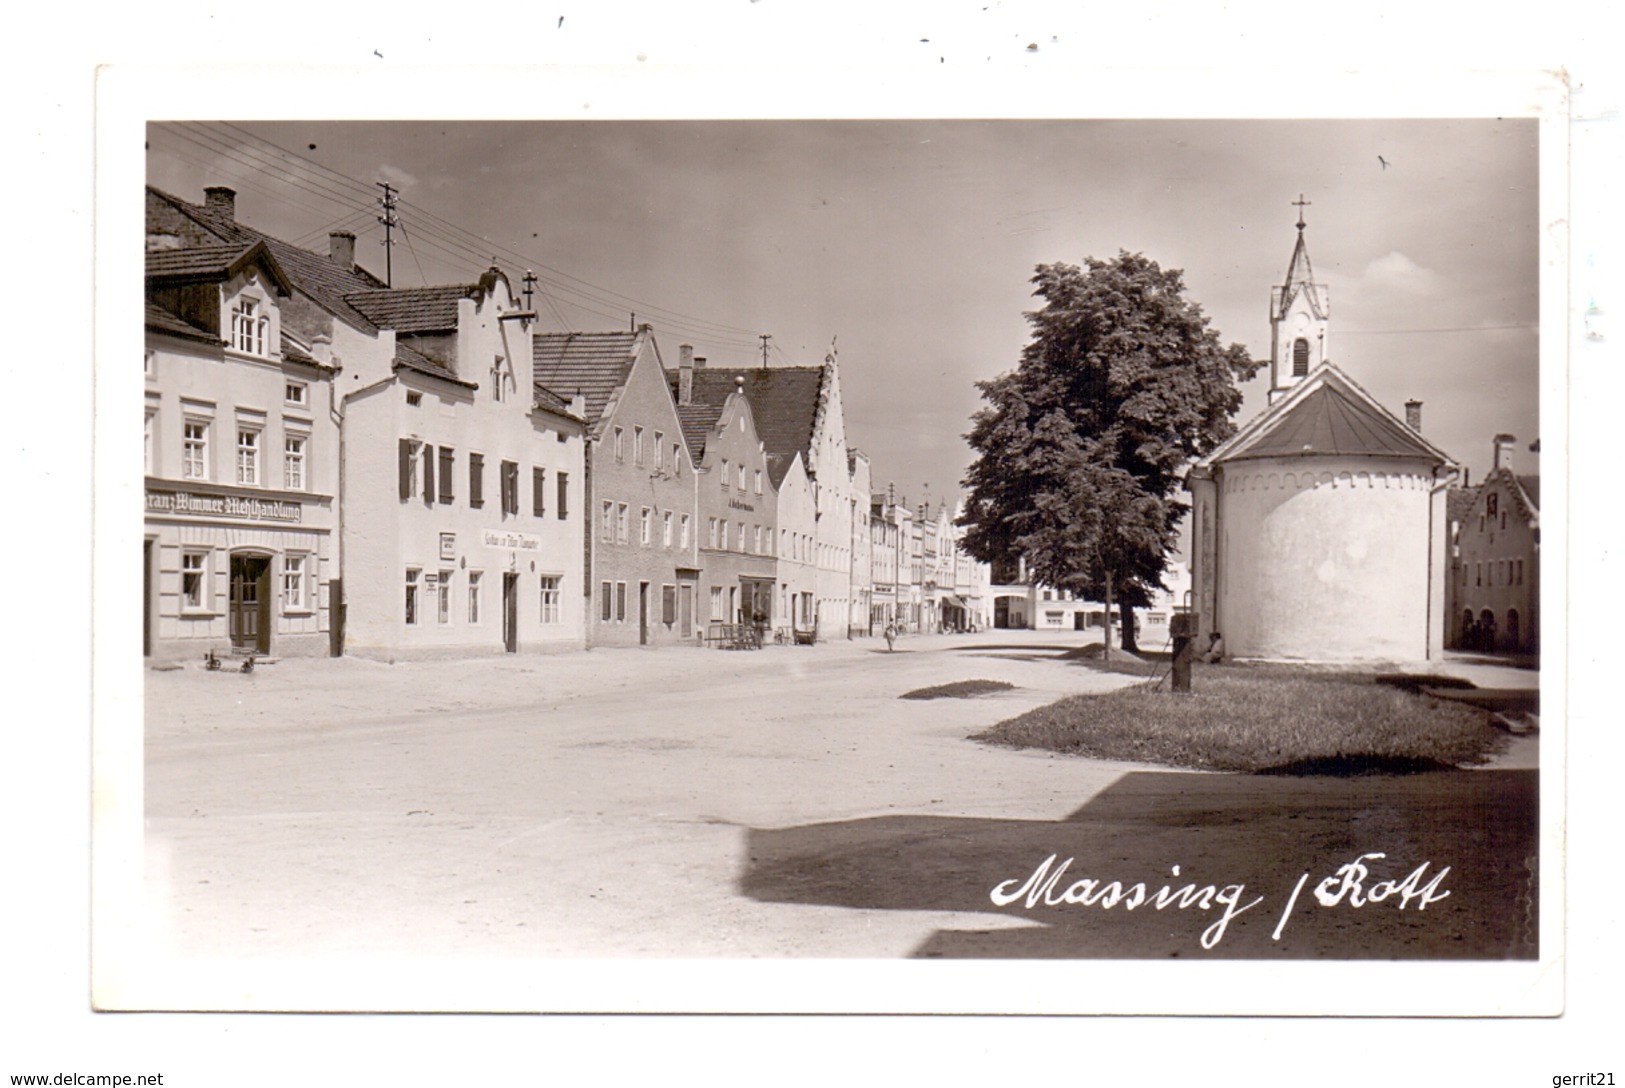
x,y
1531,487
1330,420
591,363
1459,503
546,398
295,352
783,400
413,309
698,420
161,320
200,262
314,274
410,359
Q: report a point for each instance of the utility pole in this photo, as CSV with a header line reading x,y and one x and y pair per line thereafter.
x,y
530,289
764,338
390,222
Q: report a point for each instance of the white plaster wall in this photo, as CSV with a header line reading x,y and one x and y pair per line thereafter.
x,y
1324,559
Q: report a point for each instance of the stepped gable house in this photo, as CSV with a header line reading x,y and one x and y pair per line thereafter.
x,y
798,415
642,580
736,520
464,483
1495,588
1319,528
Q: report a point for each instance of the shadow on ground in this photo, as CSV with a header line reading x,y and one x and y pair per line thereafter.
x,y
1260,832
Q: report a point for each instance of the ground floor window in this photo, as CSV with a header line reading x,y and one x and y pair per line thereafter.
x,y
605,593
413,575
716,603
550,599
195,580
620,602
293,583
474,577
443,597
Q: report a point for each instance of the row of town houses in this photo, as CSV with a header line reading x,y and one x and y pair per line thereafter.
x,y
334,466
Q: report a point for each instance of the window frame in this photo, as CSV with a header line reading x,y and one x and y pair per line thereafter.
x,y
413,606
199,599
295,584
550,600
295,476
195,450
254,431
472,609
442,592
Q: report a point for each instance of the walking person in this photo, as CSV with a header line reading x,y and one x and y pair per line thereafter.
x,y
891,636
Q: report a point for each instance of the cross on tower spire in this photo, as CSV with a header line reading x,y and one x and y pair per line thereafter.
x,y
1301,204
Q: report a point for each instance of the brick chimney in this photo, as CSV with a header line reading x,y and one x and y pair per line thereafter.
x,y
221,199
341,248
1503,451
685,375
1413,415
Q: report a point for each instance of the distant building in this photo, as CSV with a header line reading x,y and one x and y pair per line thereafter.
x,y
1319,528
737,517
1495,536
798,415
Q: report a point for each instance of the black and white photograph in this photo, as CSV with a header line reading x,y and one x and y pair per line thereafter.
x,y
1011,540
701,557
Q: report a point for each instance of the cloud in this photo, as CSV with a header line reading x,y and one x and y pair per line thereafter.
x,y
1396,272
397,177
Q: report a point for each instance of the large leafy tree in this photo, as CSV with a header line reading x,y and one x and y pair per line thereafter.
x,y
1079,449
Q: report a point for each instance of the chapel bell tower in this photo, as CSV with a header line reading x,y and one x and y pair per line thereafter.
x,y
1300,312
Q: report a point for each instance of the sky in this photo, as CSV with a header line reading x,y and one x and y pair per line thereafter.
x,y
908,246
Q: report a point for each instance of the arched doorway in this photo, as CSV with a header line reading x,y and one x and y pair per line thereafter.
x,y
1486,629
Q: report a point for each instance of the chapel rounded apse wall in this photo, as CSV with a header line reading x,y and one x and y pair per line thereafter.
x,y
1325,553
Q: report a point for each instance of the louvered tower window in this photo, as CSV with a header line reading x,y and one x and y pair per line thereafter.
x,y
1300,357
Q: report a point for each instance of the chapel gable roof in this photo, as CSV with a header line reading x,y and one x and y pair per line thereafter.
x,y
1326,413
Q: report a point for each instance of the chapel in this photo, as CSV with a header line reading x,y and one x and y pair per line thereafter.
x,y
1319,529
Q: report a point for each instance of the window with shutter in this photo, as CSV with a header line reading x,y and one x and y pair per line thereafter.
x,y
510,487
563,479
428,473
448,459
408,464
1300,357
538,491
476,479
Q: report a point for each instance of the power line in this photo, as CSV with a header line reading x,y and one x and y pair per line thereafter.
x,y
705,327
1459,328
